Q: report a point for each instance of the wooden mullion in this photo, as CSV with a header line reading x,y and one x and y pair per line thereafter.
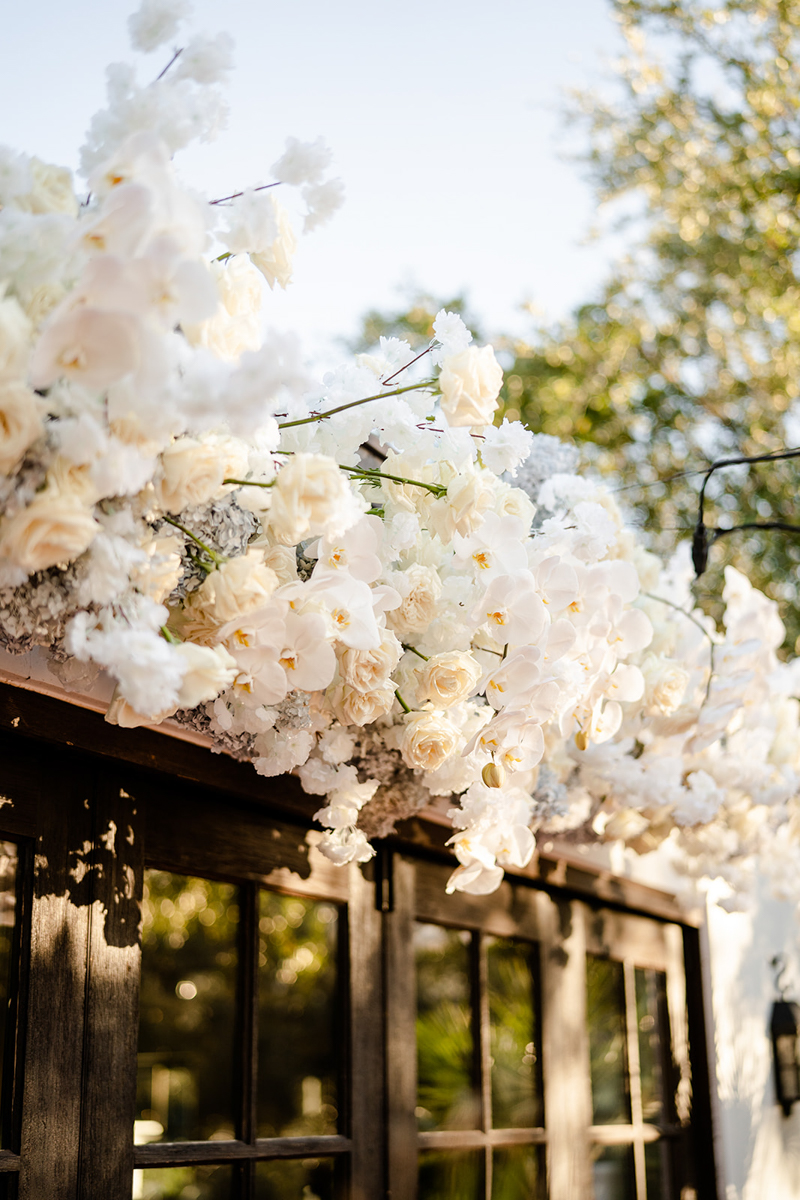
x,y
400,1034
482,1034
361,952
179,1154
14,1055
246,1079
634,1074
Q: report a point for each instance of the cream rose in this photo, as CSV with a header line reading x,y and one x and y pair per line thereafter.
x,y
192,473
20,423
449,678
275,263
665,684
239,587
470,383
208,672
420,588
428,740
67,478
164,568
353,707
119,712
52,190
468,497
309,494
53,529
236,325
366,670
15,338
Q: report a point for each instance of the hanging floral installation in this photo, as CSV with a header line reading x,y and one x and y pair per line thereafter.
x,y
364,581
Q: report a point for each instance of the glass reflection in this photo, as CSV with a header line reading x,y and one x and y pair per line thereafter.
x,y
187,1010
518,1173
307,1179
613,1173
8,915
514,1034
650,1010
447,1174
184,1183
299,1028
446,1097
605,1006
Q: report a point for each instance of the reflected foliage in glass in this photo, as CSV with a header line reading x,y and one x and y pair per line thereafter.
x,y
187,1009
651,1011
518,1173
300,1030
613,1173
8,915
605,1010
447,1174
446,1096
306,1179
654,1169
514,1034
184,1183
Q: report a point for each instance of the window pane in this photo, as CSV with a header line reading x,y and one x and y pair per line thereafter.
x,y
300,1027
518,1173
614,1173
655,1174
184,1183
607,1028
514,1026
307,1179
653,1039
187,1009
8,913
446,1097
447,1174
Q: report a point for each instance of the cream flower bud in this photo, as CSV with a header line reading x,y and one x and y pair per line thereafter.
x,y
52,530
20,423
275,263
665,684
353,707
192,473
367,670
420,588
493,775
449,678
236,325
470,383
428,741
52,190
208,672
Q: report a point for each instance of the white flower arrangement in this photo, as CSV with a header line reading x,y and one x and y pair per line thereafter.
x,y
338,579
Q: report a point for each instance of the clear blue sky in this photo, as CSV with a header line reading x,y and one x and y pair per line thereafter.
x,y
444,121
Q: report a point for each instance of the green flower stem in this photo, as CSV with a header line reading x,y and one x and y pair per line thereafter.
x,y
414,650
249,482
217,559
402,702
368,473
486,650
411,387
169,637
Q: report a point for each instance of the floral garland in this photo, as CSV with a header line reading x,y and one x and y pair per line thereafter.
x,y
364,581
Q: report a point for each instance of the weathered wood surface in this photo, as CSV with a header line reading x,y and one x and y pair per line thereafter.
x,y
178,1154
366,1075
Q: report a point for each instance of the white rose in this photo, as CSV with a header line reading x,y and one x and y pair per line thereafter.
x,y
208,672
239,587
468,497
447,679
40,301
428,740
53,529
420,588
275,263
236,325
15,337
163,570
192,473
470,383
511,501
20,423
310,495
283,561
353,707
665,684
67,478
626,823
366,670
52,190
